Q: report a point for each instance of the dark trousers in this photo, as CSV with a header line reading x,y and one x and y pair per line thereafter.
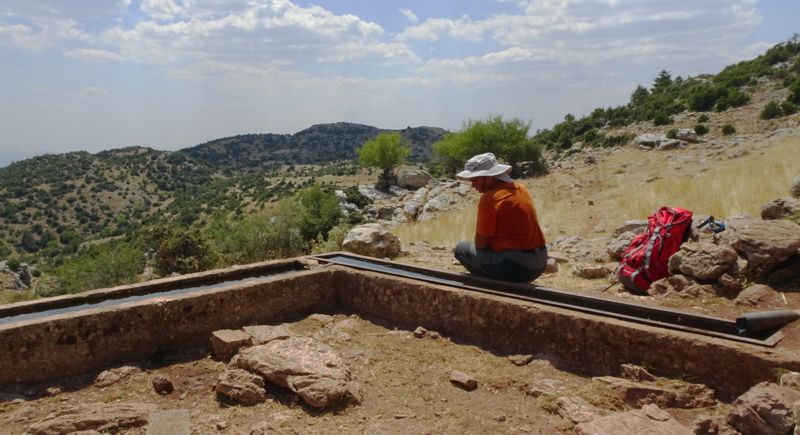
x,y
514,265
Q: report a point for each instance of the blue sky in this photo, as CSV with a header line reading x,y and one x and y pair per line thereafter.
x,y
99,74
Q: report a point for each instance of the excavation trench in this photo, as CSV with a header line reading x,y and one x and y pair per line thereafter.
x,y
46,340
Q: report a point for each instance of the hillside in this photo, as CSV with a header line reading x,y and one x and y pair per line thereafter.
x,y
50,204
316,144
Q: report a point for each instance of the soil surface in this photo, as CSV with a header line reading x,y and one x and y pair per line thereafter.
x,y
405,380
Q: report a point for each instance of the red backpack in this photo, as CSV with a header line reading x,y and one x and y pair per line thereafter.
x,y
645,259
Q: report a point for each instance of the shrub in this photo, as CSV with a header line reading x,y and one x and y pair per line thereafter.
x,y
178,250
99,266
662,119
700,129
356,197
672,133
702,118
771,111
728,129
702,98
13,264
334,239
788,108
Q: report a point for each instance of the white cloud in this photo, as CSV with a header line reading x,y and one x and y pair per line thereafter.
x,y
93,54
410,16
161,10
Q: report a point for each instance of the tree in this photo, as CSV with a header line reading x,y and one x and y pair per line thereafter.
x,y
662,81
508,140
386,152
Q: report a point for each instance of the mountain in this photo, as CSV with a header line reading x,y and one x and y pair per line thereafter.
x,y
51,203
316,144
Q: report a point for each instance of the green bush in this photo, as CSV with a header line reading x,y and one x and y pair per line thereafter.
x,y
771,110
321,212
728,129
356,197
700,129
672,133
702,118
178,250
13,264
99,266
662,119
333,241
702,98
788,108
794,91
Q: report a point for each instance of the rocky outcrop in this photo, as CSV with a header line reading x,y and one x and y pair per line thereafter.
x,y
666,394
703,261
650,419
308,367
413,179
101,417
372,240
651,141
764,244
764,409
687,135
780,208
241,386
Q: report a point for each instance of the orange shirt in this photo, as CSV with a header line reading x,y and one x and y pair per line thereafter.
x,y
507,216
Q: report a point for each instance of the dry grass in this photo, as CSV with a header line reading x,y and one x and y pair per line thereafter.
x,y
592,200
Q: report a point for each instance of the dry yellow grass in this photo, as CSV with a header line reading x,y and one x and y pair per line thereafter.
x,y
591,200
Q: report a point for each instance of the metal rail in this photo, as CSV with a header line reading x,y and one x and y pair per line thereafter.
x,y
636,313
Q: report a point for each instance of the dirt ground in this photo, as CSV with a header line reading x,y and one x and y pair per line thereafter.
x,y
406,389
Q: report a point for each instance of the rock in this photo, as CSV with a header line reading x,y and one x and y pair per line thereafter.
x,y
552,265
795,190
591,271
305,366
791,380
669,394
546,387
650,419
111,376
96,416
637,226
241,386
170,422
671,144
754,295
577,410
371,240
325,319
704,261
162,385
263,334
413,206
463,380
730,284
764,244
373,193
780,208
616,247
520,360
704,424
636,373
413,179
687,135
420,332
649,140
225,343
766,408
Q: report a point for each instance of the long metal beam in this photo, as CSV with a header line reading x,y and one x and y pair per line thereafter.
x,y
636,313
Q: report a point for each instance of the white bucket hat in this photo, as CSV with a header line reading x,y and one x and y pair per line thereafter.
x,y
485,165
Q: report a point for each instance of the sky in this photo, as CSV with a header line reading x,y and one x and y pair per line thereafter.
x,y
169,74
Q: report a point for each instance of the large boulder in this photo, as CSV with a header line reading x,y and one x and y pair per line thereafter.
x,y
764,244
657,141
372,240
305,366
241,386
413,179
764,409
414,205
616,247
702,260
686,134
780,208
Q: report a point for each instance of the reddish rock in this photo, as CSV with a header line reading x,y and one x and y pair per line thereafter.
x,y
225,343
764,409
241,386
96,416
669,394
648,420
463,380
163,385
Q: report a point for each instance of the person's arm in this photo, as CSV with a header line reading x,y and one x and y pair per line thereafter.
x,y
482,241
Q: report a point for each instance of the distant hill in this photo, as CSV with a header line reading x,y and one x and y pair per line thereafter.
x,y
316,144
51,203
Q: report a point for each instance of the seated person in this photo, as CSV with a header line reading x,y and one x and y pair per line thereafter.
x,y
509,244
